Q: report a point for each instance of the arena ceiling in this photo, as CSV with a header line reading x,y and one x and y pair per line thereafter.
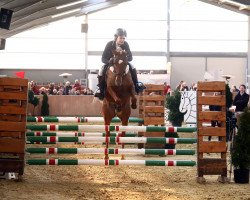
x,y
28,14
240,6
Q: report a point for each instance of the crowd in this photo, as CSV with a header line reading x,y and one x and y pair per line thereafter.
x,y
61,89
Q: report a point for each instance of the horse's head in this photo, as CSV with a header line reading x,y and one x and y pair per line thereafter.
x,y
184,102
120,67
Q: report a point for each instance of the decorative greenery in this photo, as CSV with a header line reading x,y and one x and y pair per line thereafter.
x,y
172,104
45,105
241,149
229,97
229,114
32,99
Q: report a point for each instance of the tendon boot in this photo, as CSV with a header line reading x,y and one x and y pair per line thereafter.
x,y
139,87
101,87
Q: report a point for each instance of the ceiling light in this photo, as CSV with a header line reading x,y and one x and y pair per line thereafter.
x,y
65,13
70,4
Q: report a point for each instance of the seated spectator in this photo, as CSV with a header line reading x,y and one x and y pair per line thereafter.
x,y
77,85
34,88
184,87
43,90
67,88
193,87
51,87
54,91
234,89
167,88
179,86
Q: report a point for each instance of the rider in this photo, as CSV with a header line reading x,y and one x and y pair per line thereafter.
x,y
107,59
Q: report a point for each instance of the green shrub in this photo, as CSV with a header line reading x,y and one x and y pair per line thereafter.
x,y
241,148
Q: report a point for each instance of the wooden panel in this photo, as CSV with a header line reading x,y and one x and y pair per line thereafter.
x,y
212,100
12,126
12,110
154,98
212,115
14,118
13,95
209,166
212,131
13,81
12,134
153,121
211,147
154,109
11,145
214,86
151,87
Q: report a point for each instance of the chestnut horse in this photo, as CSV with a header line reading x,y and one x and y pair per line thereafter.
x,y
120,92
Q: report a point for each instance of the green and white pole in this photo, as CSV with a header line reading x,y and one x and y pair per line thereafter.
x,y
77,134
79,119
110,162
106,128
111,140
110,151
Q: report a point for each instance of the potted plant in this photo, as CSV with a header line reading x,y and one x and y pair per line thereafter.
x,y
174,115
45,105
32,100
241,149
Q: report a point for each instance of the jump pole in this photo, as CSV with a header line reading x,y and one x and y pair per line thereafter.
x,y
111,140
110,162
115,128
79,119
77,134
110,151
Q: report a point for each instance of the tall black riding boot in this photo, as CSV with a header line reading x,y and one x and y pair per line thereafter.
x,y
101,87
138,87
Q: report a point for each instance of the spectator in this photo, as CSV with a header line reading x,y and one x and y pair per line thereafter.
x,y
179,86
54,91
184,87
51,88
167,88
234,89
193,87
67,88
241,99
34,88
77,85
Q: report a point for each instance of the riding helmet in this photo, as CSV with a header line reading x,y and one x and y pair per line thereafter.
x,y
121,32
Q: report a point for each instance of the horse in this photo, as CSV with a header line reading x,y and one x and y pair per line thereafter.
x,y
188,106
119,96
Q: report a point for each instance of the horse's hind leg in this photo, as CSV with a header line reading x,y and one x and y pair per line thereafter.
x,y
107,121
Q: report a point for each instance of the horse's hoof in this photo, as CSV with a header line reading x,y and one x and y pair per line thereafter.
x,y
133,106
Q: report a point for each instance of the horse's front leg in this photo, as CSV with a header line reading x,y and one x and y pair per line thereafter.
x,y
133,98
114,95
107,121
124,123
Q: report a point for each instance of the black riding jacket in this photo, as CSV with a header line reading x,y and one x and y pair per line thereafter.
x,y
107,53
241,101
